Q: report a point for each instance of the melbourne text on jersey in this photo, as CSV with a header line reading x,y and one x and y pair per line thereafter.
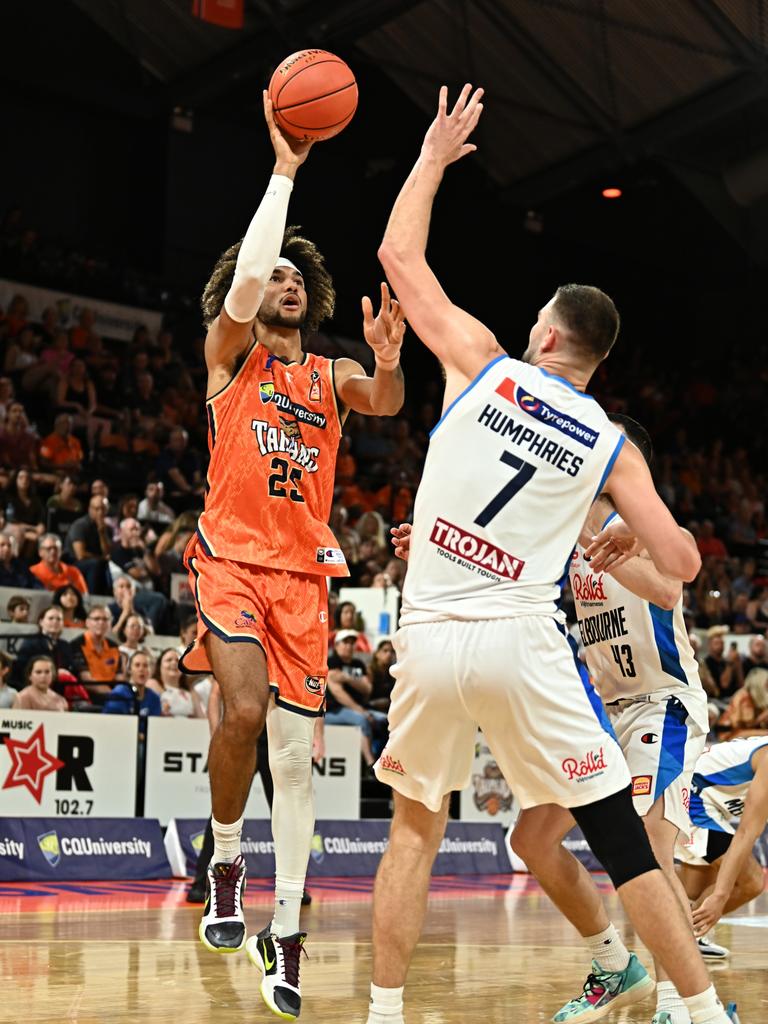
x,y
556,454
603,626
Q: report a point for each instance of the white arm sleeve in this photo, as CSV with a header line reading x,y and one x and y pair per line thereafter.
x,y
259,251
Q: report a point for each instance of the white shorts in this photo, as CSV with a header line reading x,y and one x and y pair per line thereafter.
x,y
662,739
694,848
514,678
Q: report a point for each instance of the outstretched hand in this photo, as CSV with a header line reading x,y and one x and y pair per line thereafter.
x,y
384,334
706,916
614,545
401,540
289,152
446,139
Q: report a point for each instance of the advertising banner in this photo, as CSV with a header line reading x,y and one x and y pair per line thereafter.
x,y
68,765
177,773
488,796
347,849
56,849
112,320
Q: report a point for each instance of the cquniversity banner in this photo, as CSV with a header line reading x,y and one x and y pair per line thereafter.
x,y
56,849
177,773
348,848
67,765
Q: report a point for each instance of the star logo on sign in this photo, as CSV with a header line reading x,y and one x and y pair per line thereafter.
x,y
30,763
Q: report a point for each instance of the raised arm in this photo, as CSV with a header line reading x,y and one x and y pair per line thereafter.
x,y
462,344
230,332
645,522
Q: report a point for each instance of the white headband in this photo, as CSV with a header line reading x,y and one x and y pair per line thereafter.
x,y
283,262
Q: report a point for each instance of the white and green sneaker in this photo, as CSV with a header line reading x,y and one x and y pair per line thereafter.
x,y
662,1018
605,991
279,961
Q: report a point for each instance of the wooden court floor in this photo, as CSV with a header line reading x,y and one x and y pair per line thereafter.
x,y
494,950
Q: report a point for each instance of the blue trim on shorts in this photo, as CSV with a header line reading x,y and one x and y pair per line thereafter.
x,y
204,543
664,635
468,388
674,737
592,696
699,816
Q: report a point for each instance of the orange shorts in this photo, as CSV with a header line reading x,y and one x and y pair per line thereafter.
x,y
285,613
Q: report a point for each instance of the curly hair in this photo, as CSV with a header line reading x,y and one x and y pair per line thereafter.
x,y
321,297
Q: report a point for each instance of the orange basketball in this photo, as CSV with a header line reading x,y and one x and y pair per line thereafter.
x,y
314,94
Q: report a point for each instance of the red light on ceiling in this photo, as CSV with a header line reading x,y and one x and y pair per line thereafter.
x,y
611,193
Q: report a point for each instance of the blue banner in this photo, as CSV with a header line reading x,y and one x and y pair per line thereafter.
x,y
347,849
86,849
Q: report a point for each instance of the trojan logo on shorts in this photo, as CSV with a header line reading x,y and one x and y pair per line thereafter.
x,y
390,764
641,785
473,553
315,684
246,620
593,764
544,413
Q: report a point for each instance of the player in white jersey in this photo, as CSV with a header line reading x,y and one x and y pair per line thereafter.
x,y
513,466
637,651
718,868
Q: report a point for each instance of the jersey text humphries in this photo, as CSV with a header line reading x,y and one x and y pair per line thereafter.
x,y
539,410
603,626
274,439
473,553
537,444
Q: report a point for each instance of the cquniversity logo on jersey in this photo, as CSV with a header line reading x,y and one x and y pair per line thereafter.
x,y
544,413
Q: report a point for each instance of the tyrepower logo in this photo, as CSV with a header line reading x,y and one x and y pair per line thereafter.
x,y
473,552
544,413
593,764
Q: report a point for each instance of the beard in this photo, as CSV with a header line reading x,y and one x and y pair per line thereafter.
x,y
277,316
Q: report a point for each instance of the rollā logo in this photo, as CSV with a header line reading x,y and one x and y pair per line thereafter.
x,y
390,764
593,764
588,588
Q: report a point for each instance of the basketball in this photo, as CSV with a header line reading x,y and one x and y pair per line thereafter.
x,y
314,94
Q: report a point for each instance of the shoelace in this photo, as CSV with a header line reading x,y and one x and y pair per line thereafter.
x,y
226,888
291,959
593,989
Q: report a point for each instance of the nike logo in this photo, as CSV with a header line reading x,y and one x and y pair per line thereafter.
x,y
269,964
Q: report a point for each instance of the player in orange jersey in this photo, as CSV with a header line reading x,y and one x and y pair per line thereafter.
x,y
263,549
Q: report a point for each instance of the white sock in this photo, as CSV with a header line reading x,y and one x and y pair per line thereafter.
x,y
669,999
288,893
386,1005
226,841
607,948
706,1008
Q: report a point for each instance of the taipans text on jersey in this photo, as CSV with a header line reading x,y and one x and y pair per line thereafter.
x,y
287,440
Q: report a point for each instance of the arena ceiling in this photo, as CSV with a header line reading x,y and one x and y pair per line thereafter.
x,y
576,88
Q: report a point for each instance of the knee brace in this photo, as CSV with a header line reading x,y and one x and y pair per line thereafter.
x,y
617,836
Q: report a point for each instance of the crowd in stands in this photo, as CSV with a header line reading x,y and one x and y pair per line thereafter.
x,y
103,452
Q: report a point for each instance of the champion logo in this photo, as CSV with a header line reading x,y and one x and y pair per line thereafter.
x,y
544,413
593,764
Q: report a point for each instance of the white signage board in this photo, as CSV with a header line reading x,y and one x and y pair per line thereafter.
x,y
62,765
488,796
177,783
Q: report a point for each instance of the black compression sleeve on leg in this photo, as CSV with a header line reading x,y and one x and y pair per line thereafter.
x,y
617,836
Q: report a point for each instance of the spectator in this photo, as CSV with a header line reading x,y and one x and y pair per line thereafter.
x,y
131,636
14,572
56,354
179,468
18,609
24,512
152,508
177,697
50,571
87,544
129,553
348,619
130,600
757,610
708,544
349,687
725,670
100,655
70,600
134,697
757,657
79,334
61,449
48,641
18,444
382,679
39,676
64,506
6,397
7,693
748,709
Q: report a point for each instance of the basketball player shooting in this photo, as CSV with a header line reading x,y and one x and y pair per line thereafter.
x,y
513,465
259,561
